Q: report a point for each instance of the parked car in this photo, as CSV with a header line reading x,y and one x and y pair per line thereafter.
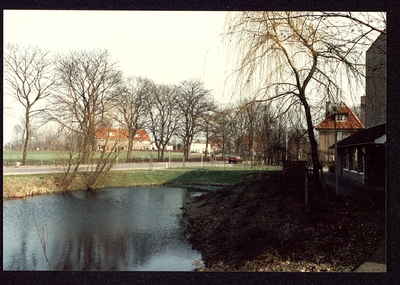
x,y
235,159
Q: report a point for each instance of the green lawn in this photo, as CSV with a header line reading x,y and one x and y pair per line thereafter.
x,y
177,176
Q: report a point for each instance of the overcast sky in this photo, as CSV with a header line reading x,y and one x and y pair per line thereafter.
x,y
164,46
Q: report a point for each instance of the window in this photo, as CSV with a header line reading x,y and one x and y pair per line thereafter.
x,y
111,134
355,159
137,136
339,136
345,161
341,117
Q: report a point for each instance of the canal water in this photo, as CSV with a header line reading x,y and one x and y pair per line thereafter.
x,y
129,229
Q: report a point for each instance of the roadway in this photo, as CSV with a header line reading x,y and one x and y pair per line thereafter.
x,y
24,170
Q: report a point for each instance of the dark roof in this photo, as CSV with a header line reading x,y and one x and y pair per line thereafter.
x,y
363,137
352,122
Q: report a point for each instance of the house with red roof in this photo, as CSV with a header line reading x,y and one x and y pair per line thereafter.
x,y
347,124
113,138
362,156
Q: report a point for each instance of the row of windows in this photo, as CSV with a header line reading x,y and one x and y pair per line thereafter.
x,y
341,117
103,141
352,159
112,134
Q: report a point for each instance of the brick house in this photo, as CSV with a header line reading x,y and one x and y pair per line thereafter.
x,y
347,123
111,138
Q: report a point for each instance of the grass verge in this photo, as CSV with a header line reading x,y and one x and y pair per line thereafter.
x,y
19,186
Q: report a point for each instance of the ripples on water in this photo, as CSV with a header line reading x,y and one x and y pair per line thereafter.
x,y
126,229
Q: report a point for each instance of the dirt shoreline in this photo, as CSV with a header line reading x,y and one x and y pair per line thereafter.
x,y
257,225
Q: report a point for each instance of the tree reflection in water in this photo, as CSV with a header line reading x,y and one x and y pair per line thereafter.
x,y
112,229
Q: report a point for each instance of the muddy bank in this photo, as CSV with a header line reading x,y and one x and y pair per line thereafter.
x,y
261,225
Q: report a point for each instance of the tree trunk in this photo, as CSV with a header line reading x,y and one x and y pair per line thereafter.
x,y
206,151
162,153
188,149
87,140
313,142
28,136
158,153
130,144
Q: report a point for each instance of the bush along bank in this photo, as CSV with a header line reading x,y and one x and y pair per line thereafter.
x,y
257,225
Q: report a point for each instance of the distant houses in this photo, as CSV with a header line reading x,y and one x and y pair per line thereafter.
x,y
200,146
169,146
113,138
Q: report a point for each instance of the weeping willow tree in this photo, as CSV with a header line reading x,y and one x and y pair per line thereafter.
x,y
298,59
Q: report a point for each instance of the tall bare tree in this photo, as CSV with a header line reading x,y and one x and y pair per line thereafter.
x,y
193,102
29,79
221,131
206,125
162,116
84,99
299,57
129,102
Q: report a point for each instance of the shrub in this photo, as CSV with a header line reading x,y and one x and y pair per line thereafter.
x,y
331,167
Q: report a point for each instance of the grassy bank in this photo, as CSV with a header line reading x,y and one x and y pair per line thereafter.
x,y
19,186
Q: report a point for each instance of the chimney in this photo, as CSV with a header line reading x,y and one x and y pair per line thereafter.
x,y
362,111
327,108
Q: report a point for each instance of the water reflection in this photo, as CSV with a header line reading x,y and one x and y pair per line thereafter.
x,y
112,229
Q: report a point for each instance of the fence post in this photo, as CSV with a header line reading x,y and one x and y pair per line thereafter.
x,y
306,190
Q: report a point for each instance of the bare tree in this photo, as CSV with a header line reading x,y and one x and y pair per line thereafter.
x,y
238,128
29,79
221,131
83,101
129,102
206,125
162,116
250,117
193,102
297,57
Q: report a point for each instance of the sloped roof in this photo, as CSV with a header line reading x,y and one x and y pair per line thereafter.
x,y
103,133
363,137
352,122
